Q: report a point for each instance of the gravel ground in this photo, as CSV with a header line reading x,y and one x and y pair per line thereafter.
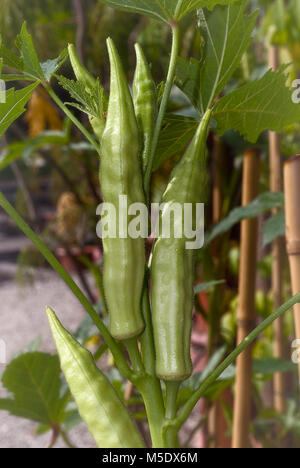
x,y
23,318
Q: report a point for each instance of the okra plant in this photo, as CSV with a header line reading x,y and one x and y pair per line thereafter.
x,y
149,300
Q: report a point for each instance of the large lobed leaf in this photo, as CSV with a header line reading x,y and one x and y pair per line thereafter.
x,y
226,33
33,379
164,10
264,104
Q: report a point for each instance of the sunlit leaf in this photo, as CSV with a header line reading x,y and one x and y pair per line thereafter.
x,y
164,10
263,104
14,106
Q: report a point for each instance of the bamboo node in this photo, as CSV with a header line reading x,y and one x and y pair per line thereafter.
x,y
246,323
293,247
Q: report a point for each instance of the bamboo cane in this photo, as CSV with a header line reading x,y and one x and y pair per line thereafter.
x,y
217,424
246,308
292,205
212,423
277,252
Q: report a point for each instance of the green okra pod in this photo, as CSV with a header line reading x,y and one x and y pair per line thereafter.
x,y
172,266
121,175
145,102
99,405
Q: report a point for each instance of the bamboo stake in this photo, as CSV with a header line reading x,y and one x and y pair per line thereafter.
x,y
246,308
292,208
217,424
212,422
277,252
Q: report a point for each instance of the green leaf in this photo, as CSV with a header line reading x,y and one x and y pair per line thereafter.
x,y
10,59
226,33
14,106
31,64
273,366
25,148
72,419
190,385
274,227
163,10
204,286
263,104
176,134
264,202
51,66
7,77
189,5
210,4
92,101
188,80
33,379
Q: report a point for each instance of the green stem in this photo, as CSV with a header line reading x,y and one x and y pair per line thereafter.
x,y
171,398
100,351
152,395
189,405
72,117
135,356
52,260
67,440
171,410
164,103
147,340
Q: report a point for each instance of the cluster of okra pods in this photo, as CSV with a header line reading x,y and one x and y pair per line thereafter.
x,y
126,134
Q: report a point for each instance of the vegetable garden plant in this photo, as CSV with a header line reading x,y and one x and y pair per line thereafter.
x,y
150,301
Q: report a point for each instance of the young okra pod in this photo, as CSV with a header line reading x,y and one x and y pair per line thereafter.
x,y
90,83
121,175
144,97
172,266
100,407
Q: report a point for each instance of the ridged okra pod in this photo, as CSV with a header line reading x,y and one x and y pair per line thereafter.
x,y
144,97
99,405
121,175
172,266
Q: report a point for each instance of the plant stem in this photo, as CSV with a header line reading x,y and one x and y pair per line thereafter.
x,y
152,395
52,260
147,340
67,440
171,410
100,351
135,356
164,103
171,398
189,405
72,117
